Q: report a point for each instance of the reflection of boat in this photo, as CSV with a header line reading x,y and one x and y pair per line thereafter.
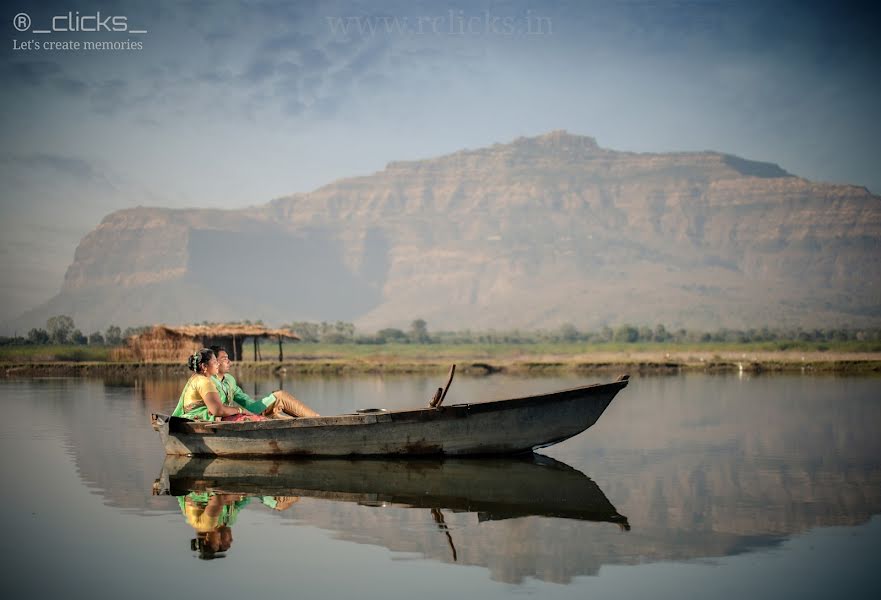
x,y
498,488
499,427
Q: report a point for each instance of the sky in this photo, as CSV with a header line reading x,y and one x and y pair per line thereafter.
x,y
232,104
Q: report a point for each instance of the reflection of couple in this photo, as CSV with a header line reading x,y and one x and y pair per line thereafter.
x,y
213,394
212,516
493,489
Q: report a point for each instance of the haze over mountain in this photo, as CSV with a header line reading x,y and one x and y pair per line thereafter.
x,y
529,234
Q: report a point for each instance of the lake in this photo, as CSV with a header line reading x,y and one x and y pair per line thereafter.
x,y
719,486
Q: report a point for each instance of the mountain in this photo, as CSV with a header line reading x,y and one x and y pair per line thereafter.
x,y
529,234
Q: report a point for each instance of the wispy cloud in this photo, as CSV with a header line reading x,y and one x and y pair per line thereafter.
x,y
66,165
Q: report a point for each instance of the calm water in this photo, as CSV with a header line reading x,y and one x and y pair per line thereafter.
x,y
760,487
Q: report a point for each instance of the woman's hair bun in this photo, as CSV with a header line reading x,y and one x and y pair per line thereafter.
x,y
199,358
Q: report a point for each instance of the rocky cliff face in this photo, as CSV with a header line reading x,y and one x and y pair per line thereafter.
x,y
528,234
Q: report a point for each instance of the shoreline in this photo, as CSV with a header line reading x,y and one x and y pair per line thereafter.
x,y
546,365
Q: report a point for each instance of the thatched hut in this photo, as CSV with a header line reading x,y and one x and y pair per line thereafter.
x,y
163,343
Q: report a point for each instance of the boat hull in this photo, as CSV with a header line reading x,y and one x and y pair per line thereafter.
x,y
489,428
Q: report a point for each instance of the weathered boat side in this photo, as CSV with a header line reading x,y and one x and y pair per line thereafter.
x,y
497,427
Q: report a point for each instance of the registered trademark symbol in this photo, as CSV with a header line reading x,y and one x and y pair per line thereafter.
x,y
21,21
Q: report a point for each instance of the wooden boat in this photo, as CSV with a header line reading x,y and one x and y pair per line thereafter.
x,y
499,427
494,488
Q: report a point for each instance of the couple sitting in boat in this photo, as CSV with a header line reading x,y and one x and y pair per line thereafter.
x,y
213,394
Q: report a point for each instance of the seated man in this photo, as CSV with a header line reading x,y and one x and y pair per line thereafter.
x,y
276,404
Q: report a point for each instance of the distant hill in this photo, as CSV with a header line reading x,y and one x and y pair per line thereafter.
x,y
530,234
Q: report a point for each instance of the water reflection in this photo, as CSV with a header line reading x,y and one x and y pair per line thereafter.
x,y
212,515
467,493
701,466
494,489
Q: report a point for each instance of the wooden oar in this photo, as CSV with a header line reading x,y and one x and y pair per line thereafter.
x,y
442,392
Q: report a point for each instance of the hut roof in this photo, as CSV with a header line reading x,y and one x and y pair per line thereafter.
x,y
225,330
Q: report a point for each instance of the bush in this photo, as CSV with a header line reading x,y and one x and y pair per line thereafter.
x,y
38,336
392,335
75,355
60,328
113,336
626,334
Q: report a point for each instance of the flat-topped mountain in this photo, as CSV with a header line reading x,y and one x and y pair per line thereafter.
x,y
530,234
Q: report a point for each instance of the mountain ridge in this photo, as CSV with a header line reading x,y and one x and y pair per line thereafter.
x,y
529,234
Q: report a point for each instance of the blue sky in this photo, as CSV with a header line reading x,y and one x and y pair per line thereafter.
x,y
235,103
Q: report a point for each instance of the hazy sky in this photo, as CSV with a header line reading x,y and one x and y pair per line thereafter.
x,y
232,104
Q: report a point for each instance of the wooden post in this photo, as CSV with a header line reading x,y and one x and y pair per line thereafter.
x,y
234,348
255,348
280,355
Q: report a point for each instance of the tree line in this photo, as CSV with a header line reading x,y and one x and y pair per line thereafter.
x,y
62,330
345,333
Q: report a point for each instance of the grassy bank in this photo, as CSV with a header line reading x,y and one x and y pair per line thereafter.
x,y
474,359
567,352
293,351
54,353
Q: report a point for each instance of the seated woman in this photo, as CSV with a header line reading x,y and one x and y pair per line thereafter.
x,y
200,400
278,404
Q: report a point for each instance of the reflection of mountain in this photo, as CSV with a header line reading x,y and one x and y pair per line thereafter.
x,y
549,549
701,466
110,438
716,457
557,550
